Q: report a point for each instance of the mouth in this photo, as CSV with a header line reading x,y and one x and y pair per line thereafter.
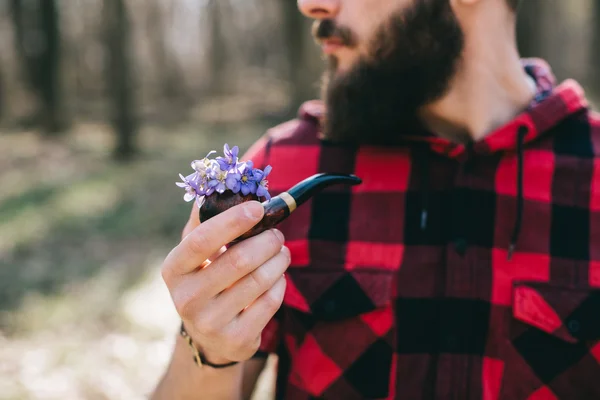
x,y
330,46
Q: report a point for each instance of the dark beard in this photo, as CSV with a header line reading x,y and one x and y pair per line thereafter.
x,y
411,62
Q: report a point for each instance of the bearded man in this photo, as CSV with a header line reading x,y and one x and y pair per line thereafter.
x,y
467,263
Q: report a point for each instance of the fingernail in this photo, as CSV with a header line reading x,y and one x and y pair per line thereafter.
x,y
254,210
279,235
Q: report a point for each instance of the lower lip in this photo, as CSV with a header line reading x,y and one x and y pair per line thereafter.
x,y
329,48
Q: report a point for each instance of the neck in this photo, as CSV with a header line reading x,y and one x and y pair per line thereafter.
x,y
490,89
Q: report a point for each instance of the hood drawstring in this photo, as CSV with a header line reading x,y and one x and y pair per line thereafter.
x,y
520,196
424,187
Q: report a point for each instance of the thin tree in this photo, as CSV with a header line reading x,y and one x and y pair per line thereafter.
x,y
117,37
172,80
217,53
37,43
48,72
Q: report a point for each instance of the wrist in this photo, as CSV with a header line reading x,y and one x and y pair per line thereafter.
x,y
199,355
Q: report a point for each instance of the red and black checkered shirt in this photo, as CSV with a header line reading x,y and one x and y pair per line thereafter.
x,y
404,287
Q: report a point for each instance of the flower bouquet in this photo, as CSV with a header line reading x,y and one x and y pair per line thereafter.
x,y
220,183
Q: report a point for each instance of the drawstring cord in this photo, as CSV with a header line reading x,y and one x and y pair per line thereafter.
x,y
424,183
520,196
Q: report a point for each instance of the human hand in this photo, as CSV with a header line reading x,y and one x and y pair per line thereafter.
x,y
226,303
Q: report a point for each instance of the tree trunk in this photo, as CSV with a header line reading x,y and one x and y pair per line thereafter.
x,y
37,43
119,78
49,82
217,53
172,84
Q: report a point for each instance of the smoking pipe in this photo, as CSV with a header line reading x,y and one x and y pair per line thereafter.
x,y
279,207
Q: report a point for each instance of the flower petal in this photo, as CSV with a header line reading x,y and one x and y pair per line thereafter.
x,y
258,174
267,171
189,197
246,190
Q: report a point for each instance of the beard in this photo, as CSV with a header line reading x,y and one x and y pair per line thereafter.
x,y
411,61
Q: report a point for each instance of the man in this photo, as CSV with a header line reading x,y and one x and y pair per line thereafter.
x,y
467,263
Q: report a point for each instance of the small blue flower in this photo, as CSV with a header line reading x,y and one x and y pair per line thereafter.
x,y
191,186
262,183
230,161
247,182
216,180
202,165
233,181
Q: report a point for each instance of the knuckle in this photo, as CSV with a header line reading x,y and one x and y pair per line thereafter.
x,y
273,301
273,241
206,325
287,254
183,306
238,259
167,268
197,243
165,273
260,277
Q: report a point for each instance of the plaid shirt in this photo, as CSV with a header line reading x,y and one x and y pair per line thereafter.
x,y
403,287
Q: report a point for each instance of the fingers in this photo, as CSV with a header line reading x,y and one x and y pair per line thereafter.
x,y
207,238
196,290
245,291
257,316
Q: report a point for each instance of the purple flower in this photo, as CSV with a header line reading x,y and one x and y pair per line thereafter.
x,y
262,183
216,180
233,181
201,166
191,186
247,182
230,161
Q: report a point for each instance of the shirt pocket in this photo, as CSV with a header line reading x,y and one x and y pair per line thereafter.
x,y
555,338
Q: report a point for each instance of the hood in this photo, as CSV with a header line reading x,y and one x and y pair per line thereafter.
x,y
551,105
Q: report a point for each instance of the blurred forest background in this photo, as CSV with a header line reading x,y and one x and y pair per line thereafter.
x,y
102,104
